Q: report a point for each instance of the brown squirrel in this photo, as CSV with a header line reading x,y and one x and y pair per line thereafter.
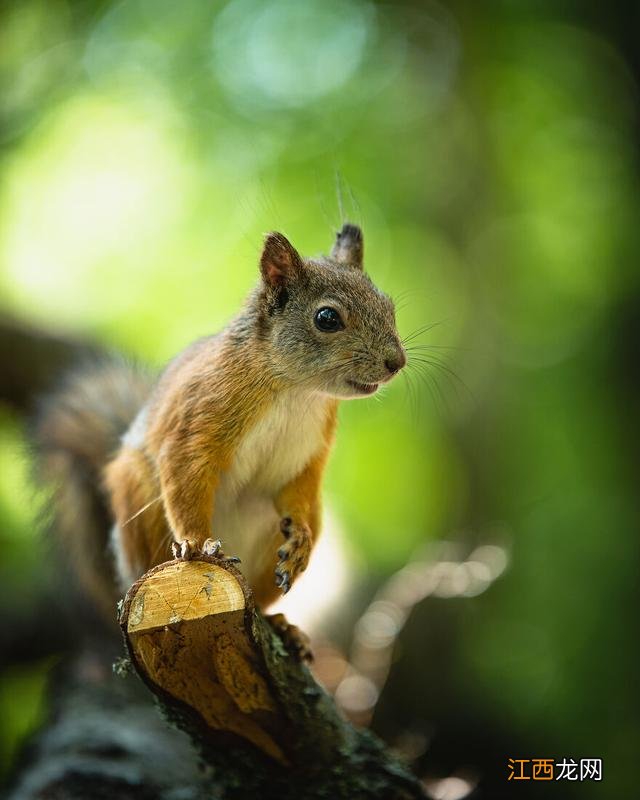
x,y
232,440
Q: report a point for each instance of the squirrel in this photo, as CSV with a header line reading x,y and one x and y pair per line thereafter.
x,y
233,438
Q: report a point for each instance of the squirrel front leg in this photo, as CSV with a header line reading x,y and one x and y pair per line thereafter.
x,y
188,482
298,505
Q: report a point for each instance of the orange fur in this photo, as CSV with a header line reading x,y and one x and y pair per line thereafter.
x,y
193,430
206,407
233,439
237,432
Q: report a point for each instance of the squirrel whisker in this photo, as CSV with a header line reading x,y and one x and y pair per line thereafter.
x,y
142,510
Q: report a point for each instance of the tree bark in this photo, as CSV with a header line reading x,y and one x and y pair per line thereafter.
x,y
245,718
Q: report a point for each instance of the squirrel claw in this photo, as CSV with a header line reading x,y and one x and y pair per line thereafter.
x,y
293,555
184,550
212,547
189,549
283,580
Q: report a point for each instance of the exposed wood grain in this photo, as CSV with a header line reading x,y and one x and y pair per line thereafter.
x,y
184,590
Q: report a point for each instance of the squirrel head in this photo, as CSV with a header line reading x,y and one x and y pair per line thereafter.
x,y
330,329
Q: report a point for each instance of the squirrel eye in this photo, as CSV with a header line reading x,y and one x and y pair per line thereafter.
x,y
328,320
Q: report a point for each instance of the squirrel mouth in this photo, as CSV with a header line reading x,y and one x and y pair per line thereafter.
x,y
363,388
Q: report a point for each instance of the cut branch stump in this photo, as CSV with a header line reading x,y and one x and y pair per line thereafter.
x,y
222,673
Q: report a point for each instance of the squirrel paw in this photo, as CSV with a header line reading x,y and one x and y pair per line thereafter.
x,y
296,642
188,549
294,554
213,547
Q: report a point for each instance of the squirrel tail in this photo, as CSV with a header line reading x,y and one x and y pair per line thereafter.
x,y
76,432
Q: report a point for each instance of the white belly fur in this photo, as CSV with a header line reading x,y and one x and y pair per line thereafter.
x,y
273,452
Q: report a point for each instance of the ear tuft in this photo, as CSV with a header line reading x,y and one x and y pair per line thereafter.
x,y
280,261
349,246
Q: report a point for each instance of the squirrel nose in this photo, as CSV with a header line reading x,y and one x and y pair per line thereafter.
x,y
396,362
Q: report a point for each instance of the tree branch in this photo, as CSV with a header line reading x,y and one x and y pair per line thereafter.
x,y
223,675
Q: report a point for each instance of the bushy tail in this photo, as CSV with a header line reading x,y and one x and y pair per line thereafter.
x,y
77,430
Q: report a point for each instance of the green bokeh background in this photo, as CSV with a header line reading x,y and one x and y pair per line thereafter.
x,y
490,153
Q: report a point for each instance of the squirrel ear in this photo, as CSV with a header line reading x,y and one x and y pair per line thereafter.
x,y
279,261
348,246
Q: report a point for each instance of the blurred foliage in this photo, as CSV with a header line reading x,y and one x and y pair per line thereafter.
x,y
492,161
